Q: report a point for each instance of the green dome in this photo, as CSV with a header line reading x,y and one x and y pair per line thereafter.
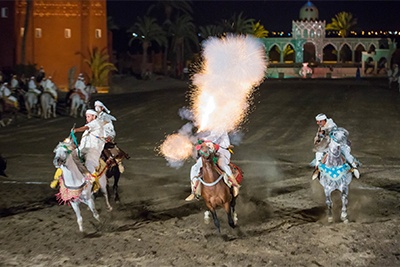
x,y
309,12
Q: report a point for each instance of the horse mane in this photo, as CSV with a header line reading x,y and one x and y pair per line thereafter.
x,y
339,135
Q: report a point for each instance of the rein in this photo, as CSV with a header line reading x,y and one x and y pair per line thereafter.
x,y
77,145
209,184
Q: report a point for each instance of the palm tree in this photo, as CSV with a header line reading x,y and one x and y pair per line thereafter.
x,y
258,30
238,24
147,30
100,66
170,7
184,36
343,22
210,30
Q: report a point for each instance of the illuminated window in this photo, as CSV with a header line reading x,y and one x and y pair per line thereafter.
x,y
4,12
98,33
22,31
67,33
38,33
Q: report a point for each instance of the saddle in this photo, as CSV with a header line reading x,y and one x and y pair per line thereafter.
x,y
81,95
113,155
236,172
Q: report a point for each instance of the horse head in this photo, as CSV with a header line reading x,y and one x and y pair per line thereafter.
x,y
207,149
62,151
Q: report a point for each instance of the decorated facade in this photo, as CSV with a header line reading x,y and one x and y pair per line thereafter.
x,y
309,44
57,35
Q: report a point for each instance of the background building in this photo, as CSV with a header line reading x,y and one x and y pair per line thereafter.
x,y
57,35
309,43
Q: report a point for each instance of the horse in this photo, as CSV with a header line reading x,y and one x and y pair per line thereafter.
x,y
112,155
393,78
78,103
215,192
75,182
31,102
48,105
335,172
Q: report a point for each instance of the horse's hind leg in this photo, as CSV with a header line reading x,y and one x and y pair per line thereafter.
x,y
92,207
103,188
75,206
343,215
232,205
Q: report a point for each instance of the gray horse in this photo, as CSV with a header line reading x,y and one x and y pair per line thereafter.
x,y
336,172
48,105
31,102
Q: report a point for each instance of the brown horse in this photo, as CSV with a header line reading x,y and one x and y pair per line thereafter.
x,y
215,191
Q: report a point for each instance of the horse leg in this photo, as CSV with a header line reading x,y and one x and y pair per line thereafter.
x,y
343,215
216,221
116,174
103,188
75,206
228,209
207,217
329,205
232,205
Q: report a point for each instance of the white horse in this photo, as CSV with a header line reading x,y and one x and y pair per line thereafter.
x,y
336,172
48,105
75,183
77,103
393,76
31,103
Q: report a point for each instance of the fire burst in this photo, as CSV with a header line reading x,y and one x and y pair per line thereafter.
x,y
232,68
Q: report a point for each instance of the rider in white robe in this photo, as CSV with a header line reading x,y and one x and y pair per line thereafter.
x,y
107,120
326,125
6,94
32,86
50,87
14,83
80,87
224,156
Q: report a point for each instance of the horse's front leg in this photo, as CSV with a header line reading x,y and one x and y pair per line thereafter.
x,y
232,205
228,210
343,215
328,202
116,175
216,221
75,206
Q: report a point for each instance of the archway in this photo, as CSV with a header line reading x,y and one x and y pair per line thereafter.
x,y
329,54
274,54
358,53
345,54
289,54
309,52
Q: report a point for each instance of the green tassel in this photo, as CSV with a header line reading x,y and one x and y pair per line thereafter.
x,y
215,160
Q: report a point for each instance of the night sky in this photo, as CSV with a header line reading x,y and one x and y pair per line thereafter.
x,y
274,15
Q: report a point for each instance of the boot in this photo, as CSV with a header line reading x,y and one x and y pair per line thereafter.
x,y
315,174
234,182
56,178
195,194
356,173
235,191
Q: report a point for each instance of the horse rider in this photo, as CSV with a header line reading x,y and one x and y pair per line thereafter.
x,y
103,114
6,94
325,126
393,74
41,74
32,86
224,155
14,83
80,87
50,87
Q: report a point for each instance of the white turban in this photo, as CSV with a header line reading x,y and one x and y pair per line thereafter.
x,y
91,112
100,104
320,117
